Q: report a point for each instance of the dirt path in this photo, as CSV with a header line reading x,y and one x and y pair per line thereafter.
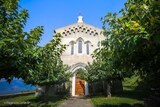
x,y
77,102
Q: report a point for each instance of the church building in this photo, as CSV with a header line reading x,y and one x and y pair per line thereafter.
x,y
81,40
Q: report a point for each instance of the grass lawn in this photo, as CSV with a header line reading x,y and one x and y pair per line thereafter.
x,y
31,101
116,101
129,98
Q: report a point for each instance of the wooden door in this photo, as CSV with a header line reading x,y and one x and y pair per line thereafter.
x,y
80,87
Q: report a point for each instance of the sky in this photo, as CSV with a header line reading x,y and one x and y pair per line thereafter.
x,y
53,14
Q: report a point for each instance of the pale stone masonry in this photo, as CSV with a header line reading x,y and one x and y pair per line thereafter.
x,y
79,31
81,40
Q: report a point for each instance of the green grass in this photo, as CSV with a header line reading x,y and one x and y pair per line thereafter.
x,y
102,101
31,100
129,98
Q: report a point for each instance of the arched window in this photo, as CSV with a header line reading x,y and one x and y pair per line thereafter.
x,y
72,48
87,48
80,46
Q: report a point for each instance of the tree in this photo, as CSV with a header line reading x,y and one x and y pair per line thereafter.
x,y
50,69
17,48
101,69
133,38
82,74
21,57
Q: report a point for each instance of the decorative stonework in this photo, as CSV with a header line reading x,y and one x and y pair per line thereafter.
x,y
78,29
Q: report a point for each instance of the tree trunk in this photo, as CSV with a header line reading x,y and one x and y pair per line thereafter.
x,y
93,88
103,84
109,88
46,93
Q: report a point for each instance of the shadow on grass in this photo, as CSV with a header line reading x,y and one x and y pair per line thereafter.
x,y
36,102
127,98
138,94
15,95
17,105
39,101
120,105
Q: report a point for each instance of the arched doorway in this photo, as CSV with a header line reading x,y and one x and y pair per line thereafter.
x,y
79,85
80,82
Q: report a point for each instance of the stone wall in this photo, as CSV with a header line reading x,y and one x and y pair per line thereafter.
x,y
100,87
58,89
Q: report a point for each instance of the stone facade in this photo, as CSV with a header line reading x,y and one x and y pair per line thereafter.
x,y
81,40
72,35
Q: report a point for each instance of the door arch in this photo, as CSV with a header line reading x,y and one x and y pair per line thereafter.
x,y
74,70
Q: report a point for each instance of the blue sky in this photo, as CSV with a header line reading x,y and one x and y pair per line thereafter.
x,y
53,14
15,86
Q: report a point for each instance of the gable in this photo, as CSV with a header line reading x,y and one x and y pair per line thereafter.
x,y
78,28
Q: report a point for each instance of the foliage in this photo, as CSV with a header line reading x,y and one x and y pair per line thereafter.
x,y
21,57
17,48
101,68
82,74
132,81
133,38
50,69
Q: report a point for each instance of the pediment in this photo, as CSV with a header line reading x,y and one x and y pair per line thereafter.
x,y
78,28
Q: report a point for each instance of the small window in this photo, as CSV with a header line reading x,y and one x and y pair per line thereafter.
x,y
80,46
72,48
99,44
87,48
